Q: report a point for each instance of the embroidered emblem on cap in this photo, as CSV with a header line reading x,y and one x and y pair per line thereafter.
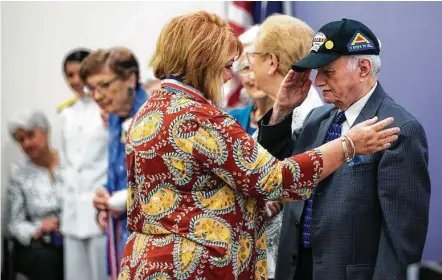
x,y
360,42
329,45
318,41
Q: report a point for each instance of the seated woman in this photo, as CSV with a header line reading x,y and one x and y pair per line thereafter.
x,y
197,181
34,193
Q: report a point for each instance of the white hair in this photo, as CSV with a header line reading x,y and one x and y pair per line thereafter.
x,y
248,40
28,120
249,36
374,59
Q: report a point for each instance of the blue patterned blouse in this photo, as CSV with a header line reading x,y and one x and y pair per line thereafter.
x,y
117,174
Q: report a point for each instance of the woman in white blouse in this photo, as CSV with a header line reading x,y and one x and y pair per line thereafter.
x,y
34,190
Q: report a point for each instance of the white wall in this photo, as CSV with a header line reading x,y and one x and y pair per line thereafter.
x,y
37,35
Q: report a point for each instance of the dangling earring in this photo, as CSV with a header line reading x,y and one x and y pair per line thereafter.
x,y
130,92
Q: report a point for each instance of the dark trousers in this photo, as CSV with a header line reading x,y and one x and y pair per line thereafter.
x,y
39,261
304,268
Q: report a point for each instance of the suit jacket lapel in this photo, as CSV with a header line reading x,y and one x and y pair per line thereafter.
x,y
372,105
323,128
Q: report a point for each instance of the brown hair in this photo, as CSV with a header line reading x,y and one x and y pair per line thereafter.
x,y
120,60
286,37
195,48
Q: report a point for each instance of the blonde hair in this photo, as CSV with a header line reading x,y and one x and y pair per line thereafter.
x,y
286,37
195,48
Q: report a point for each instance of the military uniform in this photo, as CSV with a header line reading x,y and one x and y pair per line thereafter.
x,y
84,146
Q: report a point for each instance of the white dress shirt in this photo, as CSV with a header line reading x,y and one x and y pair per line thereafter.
x,y
352,113
84,146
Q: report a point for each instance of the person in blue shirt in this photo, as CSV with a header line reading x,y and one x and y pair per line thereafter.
x,y
112,79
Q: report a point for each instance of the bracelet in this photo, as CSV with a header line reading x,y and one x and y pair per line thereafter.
x,y
352,145
344,146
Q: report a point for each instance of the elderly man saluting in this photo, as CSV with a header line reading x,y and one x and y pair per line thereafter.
x,y
369,219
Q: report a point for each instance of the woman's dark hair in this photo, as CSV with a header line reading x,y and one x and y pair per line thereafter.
x,y
76,55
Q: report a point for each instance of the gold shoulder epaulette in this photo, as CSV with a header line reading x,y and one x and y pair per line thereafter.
x,y
67,104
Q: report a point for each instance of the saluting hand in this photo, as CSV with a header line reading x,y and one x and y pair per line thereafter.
x,y
293,91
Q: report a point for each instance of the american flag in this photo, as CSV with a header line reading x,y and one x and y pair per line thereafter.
x,y
242,15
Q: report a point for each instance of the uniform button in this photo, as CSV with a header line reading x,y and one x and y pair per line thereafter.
x,y
297,224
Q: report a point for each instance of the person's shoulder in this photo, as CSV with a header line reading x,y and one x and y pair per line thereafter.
x,y
114,121
142,95
18,168
389,108
177,105
409,125
237,112
206,113
67,104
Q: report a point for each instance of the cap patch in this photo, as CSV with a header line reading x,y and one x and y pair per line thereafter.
x,y
329,45
318,41
360,42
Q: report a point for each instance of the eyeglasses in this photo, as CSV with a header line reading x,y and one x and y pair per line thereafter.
x,y
251,55
90,89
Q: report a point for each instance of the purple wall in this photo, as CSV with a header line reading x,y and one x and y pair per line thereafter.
x,y
411,53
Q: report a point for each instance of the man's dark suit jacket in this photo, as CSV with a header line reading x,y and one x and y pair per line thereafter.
x,y
370,217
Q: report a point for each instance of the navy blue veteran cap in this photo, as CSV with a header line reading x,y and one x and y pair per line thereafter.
x,y
338,38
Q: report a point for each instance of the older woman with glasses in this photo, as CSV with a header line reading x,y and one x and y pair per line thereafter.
x,y
34,192
248,116
281,41
112,79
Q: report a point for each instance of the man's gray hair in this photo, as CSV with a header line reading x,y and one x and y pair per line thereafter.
x,y
375,62
28,121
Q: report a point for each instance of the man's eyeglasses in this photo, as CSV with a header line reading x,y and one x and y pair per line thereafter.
x,y
90,89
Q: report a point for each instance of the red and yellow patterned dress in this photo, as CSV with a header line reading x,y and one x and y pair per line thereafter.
x,y
197,188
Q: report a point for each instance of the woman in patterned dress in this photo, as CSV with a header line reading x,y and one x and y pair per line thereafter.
x,y
197,181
